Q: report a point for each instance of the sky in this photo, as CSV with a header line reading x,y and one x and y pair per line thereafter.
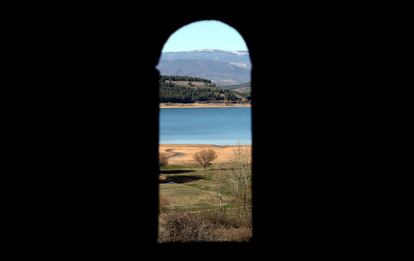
x,y
205,35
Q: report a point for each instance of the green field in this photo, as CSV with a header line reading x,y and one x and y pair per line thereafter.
x,y
192,188
205,205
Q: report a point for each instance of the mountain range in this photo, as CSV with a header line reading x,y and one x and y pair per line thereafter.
x,y
221,67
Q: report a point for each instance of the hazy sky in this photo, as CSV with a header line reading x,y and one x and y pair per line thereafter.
x,y
205,35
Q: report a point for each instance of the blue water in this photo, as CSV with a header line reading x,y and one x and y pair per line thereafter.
x,y
220,126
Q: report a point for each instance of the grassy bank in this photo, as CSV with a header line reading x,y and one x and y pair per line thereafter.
x,y
189,187
199,205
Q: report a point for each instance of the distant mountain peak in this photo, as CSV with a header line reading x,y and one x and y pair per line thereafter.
x,y
203,50
238,52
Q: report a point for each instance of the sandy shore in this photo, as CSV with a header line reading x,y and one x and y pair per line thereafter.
x,y
183,153
203,105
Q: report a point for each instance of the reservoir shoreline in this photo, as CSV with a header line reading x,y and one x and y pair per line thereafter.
x,y
203,105
182,154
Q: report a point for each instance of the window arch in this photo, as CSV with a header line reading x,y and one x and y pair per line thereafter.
x,y
215,78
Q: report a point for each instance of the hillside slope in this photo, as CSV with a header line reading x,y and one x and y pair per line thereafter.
x,y
183,89
243,88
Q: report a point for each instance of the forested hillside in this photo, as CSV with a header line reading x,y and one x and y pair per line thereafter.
x,y
184,89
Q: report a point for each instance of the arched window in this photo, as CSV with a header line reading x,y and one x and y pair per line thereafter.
x,y
205,135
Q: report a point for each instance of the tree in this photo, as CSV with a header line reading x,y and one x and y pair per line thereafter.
x,y
240,182
205,157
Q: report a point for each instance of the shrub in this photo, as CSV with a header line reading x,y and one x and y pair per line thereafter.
x,y
182,226
163,159
162,178
205,157
179,226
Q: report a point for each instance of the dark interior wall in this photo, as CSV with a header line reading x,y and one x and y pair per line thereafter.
x,y
91,129
305,111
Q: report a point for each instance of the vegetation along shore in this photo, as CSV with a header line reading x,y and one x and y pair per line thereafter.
x,y
203,105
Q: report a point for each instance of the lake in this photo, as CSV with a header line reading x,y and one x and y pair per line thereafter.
x,y
220,126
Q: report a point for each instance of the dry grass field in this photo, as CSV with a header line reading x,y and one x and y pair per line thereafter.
x,y
182,154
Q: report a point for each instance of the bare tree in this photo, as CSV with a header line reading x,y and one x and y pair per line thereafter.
x,y
219,179
205,157
240,180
